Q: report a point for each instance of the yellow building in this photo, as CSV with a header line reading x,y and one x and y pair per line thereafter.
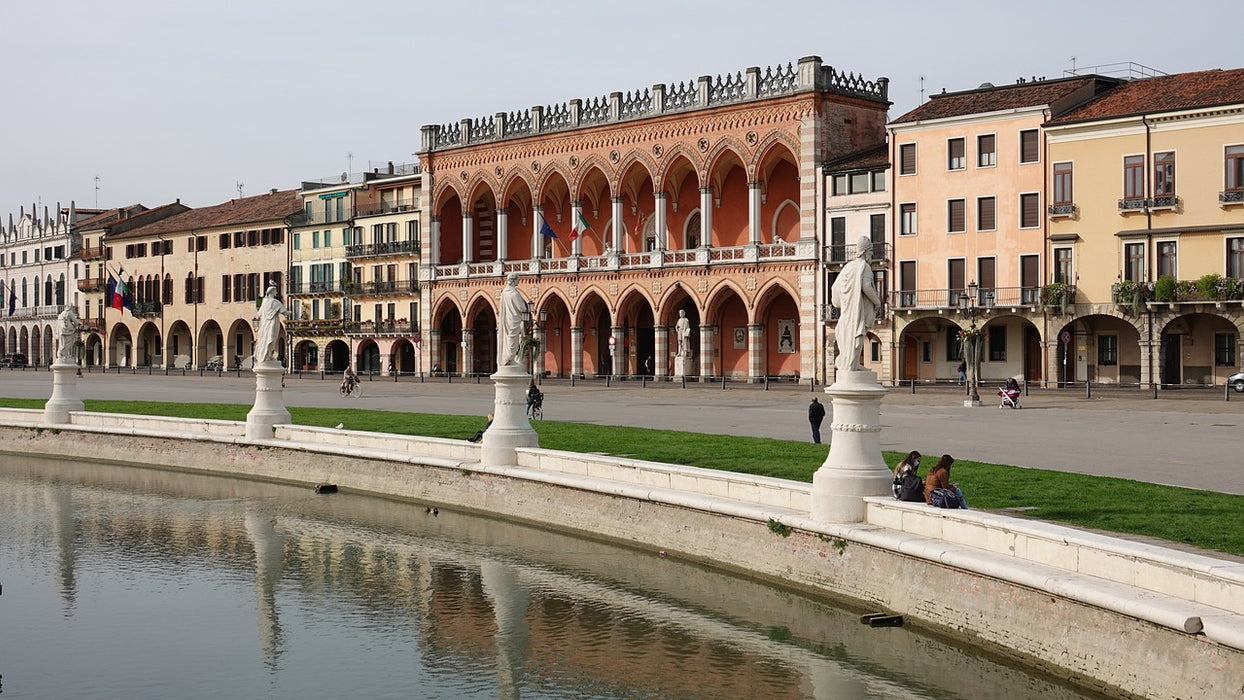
x,y
192,281
969,232
1147,222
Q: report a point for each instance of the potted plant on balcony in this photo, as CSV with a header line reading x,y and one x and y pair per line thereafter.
x,y
1055,297
1164,289
1130,295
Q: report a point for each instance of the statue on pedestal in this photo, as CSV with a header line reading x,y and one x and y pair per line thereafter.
x,y
266,341
67,326
683,330
857,300
511,316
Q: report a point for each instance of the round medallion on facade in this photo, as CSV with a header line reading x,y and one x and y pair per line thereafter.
x,y
463,175
498,171
535,166
752,138
614,156
657,150
703,144
574,161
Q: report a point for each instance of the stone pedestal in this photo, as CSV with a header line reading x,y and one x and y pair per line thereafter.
x,y
854,468
510,427
64,393
684,366
269,407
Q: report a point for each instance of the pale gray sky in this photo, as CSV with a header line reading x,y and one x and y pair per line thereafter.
x,y
167,99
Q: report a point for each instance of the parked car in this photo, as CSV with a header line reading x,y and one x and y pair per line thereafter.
x,y
1236,381
13,359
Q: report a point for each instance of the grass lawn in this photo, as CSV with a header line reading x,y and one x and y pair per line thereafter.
x,y
1198,518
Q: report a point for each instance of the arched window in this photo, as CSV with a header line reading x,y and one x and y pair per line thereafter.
x,y
60,290
47,290
691,230
36,286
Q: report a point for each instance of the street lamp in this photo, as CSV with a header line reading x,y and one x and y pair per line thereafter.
x,y
971,340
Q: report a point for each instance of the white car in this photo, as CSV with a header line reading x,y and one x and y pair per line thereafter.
x,y
1236,381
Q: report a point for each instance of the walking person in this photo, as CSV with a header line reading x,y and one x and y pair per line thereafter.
x,y
816,414
963,372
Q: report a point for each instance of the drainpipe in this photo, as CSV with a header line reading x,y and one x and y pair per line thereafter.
x,y
1149,238
821,297
894,280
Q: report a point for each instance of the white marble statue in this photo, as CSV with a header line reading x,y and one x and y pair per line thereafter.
x,y
511,316
682,329
269,334
67,326
857,299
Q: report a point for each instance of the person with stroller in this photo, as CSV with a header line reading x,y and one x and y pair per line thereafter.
x,y
939,490
908,486
1009,393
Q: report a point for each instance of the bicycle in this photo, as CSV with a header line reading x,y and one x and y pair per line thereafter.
x,y
535,411
352,388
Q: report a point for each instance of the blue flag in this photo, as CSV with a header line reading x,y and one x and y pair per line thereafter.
x,y
545,229
12,298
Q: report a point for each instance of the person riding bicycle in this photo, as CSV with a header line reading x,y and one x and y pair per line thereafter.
x,y
535,398
348,381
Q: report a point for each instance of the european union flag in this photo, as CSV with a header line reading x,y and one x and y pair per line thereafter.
x,y
545,229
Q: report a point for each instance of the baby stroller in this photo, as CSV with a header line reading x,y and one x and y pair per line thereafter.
x,y
1010,394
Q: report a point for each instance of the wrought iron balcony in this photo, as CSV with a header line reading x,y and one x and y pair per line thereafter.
x,y
949,299
387,288
1164,202
399,327
314,287
1057,210
374,250
96,253
92,284
1130,204
842,254
146,308
382,208
1231,197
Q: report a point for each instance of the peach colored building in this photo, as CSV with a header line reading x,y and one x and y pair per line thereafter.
x,y
969,233
1147,223
621,210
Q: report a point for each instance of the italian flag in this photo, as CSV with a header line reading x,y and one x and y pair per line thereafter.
x,y
580,227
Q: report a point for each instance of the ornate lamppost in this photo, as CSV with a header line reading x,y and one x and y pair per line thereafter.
x,y
971,339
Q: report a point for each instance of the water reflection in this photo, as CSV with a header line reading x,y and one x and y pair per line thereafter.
x,y
172,584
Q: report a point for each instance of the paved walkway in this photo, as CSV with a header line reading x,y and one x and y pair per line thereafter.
x,y
1184,438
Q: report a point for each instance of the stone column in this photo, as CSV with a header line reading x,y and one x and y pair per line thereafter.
x,y
434,249
64,393
708,334
753,213
619,350
537,215
661,349
659,222
503,233
468,354
576,351
434,349
541,335
619,226
854,468
755,351
467,221
269,409
706,216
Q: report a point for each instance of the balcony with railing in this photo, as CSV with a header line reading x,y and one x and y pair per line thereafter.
x,y
614,262
95,253
837,255
1062,209
399,328
318,327
403,204
314,287
146,309
378,250
1129,205
92,284
1230,197
35,313
951,299
381,289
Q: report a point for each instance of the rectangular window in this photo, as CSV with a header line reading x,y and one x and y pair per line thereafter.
x,y
907,282
224,242
879,181
315,239
1133,177
1062,266
926,351
997,343
1235,257
297,241
986,151
1062,183
1164,174
859,183
956,154
1234,180
239,239
1224,350
986,214
1029,210
907,159
328,239
907,219
987,279
956,216
1107,349
1134,262
1029,150
840,185
225,289
956,273
1166,258
838,239
876,233
875,351
1029,278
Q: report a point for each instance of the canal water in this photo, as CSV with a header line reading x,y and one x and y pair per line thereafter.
x,y
126,582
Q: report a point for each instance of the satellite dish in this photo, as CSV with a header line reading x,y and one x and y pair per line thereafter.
x,y
345,177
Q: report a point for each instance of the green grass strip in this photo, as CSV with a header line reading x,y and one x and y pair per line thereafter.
x,y
1203,519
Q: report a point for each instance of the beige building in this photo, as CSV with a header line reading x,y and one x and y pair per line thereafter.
x,y
193,280
969,232
1147,223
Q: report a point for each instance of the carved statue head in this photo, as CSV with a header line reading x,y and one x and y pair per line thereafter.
x,y
512,279
864,248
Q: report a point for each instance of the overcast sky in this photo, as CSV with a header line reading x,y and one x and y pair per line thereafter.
x,y
168,99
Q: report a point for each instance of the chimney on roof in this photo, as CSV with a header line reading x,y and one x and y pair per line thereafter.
x,y
390,167
272,191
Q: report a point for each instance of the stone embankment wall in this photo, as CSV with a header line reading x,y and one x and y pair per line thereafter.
x,y
1122,617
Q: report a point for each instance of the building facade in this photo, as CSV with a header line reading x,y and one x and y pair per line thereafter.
x,y
37,275
621,211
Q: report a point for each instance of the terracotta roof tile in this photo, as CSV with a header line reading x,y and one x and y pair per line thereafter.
x,y
877,156
992,99
247,210
1167,93
108,216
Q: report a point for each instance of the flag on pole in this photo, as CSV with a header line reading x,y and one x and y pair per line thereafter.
x,y
120,293
12,298
545,229
580,226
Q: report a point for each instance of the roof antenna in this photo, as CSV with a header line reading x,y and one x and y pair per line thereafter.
x,y
96,191
1073,65
922,89
240,186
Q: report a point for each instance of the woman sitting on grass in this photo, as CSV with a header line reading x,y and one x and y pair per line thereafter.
x,y
938,489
